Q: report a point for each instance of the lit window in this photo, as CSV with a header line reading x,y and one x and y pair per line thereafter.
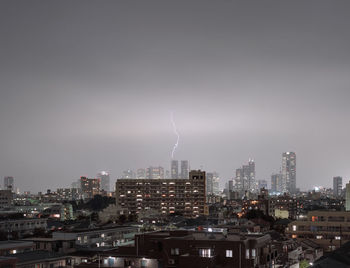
x,y
294,228
337,237
205,252
318,236
247,253
229,253
253,253
174,251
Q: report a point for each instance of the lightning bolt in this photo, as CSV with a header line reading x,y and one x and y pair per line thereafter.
x,y
176,133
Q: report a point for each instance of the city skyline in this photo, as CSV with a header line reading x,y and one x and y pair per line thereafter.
x,y
87,87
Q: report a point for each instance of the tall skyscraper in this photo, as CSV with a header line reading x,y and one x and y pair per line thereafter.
x,y
276,183
337,186
184,169
174,169
212,183
289,172
105,180
9,183
245,177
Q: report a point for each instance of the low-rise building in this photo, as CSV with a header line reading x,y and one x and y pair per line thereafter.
x,y
195,249
329,229
15,247
99,237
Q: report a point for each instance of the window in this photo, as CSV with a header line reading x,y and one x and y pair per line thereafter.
x,y
337,237
318,236
253,253
294,228
174,251
205,252
229,253
247,253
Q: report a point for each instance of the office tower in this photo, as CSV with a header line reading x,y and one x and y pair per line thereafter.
x,y
167,174
105,181
245,177
212,183
9,183
337,186
276,183
347,197
174,169
141,173
89,187
155,173
262,184
184,169
183,196
289,172
128,174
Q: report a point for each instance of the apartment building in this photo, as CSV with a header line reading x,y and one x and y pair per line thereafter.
x,y
329,229
183,196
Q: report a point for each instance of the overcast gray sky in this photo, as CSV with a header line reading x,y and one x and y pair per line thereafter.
x,y
90,85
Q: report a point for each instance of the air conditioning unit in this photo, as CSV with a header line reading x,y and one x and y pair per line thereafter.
x,y
171,261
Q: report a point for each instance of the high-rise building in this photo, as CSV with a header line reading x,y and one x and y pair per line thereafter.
x,y
128,174
347,197
276,183
183,196
337,186
262,184
89,187
9,183
184,169
245,177
155,173
105,181
174,169
212,183
289,172
141,173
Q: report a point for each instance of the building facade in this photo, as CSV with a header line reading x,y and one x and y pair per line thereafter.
x,y
183,196
289,172
89,187
337,186
105,181
174,169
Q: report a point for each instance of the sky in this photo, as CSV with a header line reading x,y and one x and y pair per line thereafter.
x,y
87,86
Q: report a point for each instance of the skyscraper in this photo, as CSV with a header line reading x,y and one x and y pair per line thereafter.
x,y
337,186
245,177
105,180
128,174
347,197
174,170
289,172
212,183
184,169
9,183
276,182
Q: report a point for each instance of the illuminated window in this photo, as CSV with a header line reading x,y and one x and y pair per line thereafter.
x,y
229,253
337,237
174,251
294,228
206,253
318,236
247,253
